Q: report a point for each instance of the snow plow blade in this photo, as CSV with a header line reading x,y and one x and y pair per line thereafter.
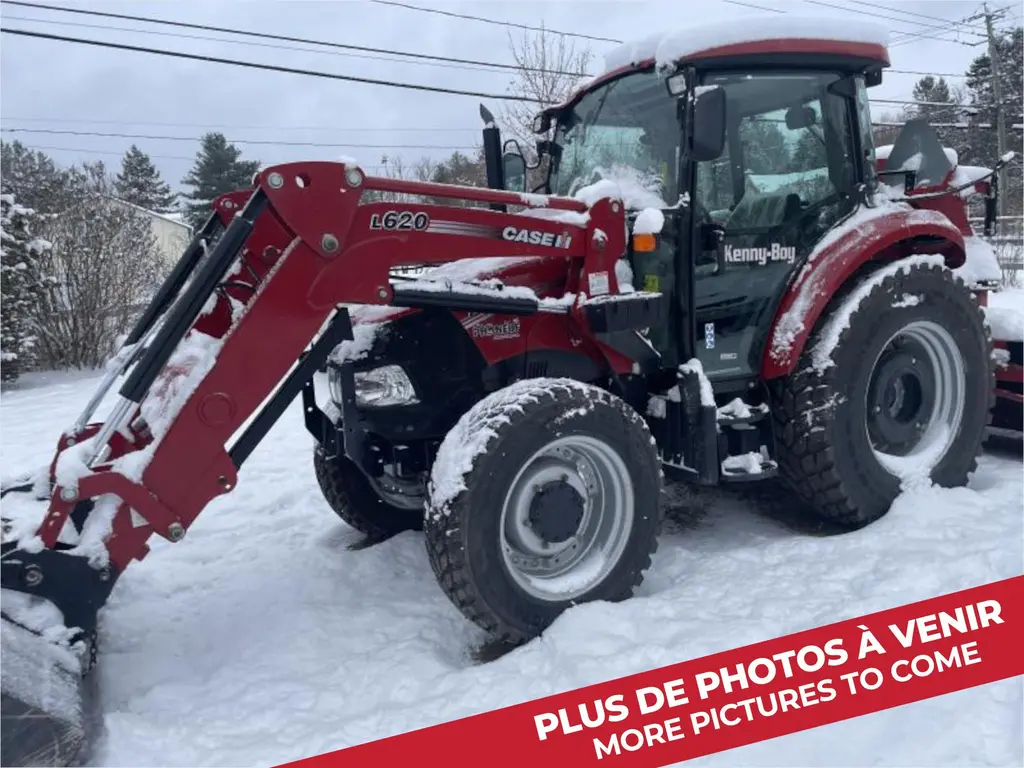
x,y
43,700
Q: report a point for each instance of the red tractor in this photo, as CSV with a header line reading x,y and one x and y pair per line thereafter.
x,y
714,281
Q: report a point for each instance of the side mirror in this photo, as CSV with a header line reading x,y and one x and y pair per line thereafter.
x,y
708,132
515,171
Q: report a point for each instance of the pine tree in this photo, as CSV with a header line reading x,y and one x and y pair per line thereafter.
x,y
31,177
139,183
929,91
20,277
809,153
765,146
461,169
217,170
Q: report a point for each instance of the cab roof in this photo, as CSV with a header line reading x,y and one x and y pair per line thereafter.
x,y
759,34
780,40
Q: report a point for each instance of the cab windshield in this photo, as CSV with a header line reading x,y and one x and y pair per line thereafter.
x,y
625,131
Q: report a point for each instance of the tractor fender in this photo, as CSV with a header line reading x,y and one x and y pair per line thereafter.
x,y
879,234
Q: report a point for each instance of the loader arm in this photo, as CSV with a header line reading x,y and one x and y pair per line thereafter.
x,y
300,245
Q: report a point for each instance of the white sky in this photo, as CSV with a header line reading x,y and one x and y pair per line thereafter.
x,y
60,86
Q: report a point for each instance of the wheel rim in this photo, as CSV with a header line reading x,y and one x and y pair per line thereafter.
x,y
566,518
915,399
400,493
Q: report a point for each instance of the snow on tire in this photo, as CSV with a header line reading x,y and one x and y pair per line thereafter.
x,y
544,495
894,389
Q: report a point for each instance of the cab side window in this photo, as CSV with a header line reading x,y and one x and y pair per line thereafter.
x,y
790,162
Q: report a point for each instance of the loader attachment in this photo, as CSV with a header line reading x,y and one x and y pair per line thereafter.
x,y
250,312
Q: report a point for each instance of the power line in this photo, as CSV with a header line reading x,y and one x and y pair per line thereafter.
x,y
907,12
875,15
752,5
924,74
83,150
912,102
255,44
333,129
854,10
267,142
951,25
496,22
39,148
267,67
269,36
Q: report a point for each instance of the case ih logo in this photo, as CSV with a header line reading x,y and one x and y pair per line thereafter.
x,y
534,237
762,256
479,328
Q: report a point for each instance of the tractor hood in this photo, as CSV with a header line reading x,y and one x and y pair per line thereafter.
x,y
542,277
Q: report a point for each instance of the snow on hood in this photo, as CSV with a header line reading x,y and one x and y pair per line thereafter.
x,y
668,47
555,214
370,320
634,189
465,270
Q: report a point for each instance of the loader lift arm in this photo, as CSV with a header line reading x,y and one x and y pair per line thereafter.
x,y
200,371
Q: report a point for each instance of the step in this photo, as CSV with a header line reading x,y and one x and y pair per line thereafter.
x,y
748,467
740,415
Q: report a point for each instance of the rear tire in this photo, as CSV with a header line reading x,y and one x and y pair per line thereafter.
x,y
544,495
840,454
354,499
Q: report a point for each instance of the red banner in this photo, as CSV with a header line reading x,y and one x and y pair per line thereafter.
x,y
738,697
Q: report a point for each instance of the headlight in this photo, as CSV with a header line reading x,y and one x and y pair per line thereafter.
x,y
379,388
334,384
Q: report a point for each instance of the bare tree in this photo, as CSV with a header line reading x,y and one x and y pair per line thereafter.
x,y
550,67
396,168
103,267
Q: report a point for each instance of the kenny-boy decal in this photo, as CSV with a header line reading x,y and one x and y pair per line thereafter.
x,y
775,252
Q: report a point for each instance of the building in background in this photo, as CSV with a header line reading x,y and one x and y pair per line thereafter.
x,y
170,231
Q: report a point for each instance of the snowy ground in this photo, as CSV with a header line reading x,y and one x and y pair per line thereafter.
x,y
262,637
1006,314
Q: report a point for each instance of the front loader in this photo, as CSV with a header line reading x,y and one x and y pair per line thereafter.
x,y
245,319
679,309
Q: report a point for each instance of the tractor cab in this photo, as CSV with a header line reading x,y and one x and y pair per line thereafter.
x,y
734,159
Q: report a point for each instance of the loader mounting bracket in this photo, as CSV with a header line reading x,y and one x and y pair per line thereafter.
x,y
68,581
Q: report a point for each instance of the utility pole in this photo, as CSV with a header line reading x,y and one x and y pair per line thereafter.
x,y
997,97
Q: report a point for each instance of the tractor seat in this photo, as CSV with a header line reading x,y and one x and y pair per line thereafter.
x,y
764,212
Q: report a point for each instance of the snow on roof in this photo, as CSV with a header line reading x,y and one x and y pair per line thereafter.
x,y
668,47
174,218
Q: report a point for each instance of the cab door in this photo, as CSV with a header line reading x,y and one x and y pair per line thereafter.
x,y
787,175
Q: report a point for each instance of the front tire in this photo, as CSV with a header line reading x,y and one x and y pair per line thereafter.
x,y
895,387
544,495
349,493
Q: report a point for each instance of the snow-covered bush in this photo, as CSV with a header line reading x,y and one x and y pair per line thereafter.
x,y
21,286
